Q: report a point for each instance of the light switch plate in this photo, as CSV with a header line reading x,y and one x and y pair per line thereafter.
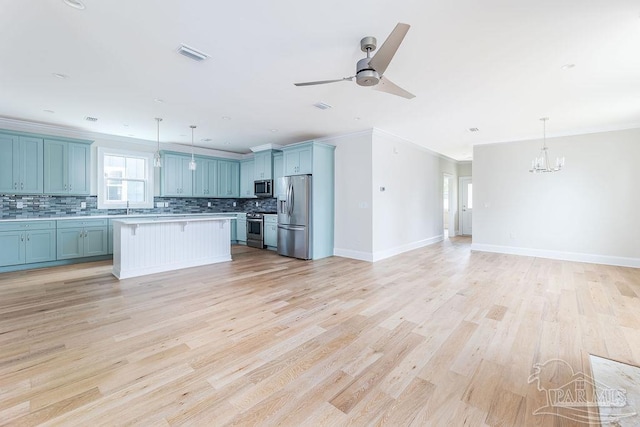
x,y
83,205
19,205
208,204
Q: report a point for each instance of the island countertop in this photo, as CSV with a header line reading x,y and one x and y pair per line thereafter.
x,y
139,221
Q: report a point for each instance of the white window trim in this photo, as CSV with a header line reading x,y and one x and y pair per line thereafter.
x,y
102,203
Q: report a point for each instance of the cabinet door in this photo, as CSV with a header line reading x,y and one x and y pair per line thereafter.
x,y
304,158
69,243
229,182
12,248
278,172
246,178
186,179
263,165
78,168
271,235
241,230
31,165
170,179
95,241
234,230
55,167
110,239
40,246
201,178
291,162
8,164
212,178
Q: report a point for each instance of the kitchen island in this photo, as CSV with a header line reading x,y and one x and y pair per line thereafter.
x,y
145,246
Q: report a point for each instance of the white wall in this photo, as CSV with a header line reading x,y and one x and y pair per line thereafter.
x,y
408,213
587,212
353,175
465,168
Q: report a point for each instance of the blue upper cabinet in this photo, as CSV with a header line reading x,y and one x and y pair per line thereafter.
x,y
66,167
247,178
298,161
278,172
21,164
263,166
228,178
176,177
205,180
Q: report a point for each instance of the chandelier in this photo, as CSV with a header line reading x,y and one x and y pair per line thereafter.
x,y
541,163
192,163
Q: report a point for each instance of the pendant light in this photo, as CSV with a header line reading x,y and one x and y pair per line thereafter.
x,y
541,164
157,160
192,163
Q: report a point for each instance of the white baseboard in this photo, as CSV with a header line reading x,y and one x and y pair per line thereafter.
x,y
348,253
565,256
388,253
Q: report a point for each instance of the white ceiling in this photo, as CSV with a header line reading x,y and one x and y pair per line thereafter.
x,y
493,64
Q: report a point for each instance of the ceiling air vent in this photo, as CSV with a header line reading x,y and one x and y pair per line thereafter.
x,y
91,119
192,53
473,130
322,105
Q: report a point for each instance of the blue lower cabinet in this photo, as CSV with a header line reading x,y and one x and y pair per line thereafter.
x,y
82,238
110,238
27,242
271,231
241,230
234,230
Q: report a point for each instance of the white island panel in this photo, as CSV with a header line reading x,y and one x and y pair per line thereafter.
x,y
147,246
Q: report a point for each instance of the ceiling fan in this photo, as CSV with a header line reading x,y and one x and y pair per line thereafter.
x,y
370,70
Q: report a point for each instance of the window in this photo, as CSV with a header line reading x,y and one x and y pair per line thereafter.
x,y
124,177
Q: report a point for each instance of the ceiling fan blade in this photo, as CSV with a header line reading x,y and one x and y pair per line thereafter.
x,y
388,86
384,55
321,82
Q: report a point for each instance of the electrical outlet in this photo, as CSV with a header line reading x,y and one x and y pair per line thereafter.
x,y
83,205
257,204
208,204
19,205
166,204
235,204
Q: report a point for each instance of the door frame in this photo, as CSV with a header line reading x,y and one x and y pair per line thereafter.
x,y
461,202
452,203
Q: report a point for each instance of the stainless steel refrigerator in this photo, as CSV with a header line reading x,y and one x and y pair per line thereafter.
x,y
294,217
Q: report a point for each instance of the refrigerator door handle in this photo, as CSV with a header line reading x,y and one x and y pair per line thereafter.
x,y
292,199
291,227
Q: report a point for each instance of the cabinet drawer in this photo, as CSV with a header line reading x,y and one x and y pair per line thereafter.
x,y
27,225
74,223
242,216
271,219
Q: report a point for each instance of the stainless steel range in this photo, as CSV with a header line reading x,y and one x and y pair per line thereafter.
x,y
255,230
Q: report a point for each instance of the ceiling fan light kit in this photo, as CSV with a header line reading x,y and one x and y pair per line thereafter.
x,y
370,70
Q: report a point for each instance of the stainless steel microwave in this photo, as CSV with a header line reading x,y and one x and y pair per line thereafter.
x,y
263,188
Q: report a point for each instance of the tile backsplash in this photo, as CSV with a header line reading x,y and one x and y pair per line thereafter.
x,y
61,206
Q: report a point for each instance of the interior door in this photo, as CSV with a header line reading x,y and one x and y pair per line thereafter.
x,y
466,205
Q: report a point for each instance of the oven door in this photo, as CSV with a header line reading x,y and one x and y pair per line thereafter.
x,y
255,229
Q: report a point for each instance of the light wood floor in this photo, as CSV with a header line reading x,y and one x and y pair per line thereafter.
x,y
436,336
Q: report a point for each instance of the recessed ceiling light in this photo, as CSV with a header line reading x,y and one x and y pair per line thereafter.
x,y
158,100
226,118
473,130
49,111
59,75
76,4
274,130
568,66
91,119
322,105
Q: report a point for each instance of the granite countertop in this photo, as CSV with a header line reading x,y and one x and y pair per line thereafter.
x,y
61,218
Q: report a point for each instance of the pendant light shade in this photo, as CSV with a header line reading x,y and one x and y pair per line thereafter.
x,y
157,160
192,163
